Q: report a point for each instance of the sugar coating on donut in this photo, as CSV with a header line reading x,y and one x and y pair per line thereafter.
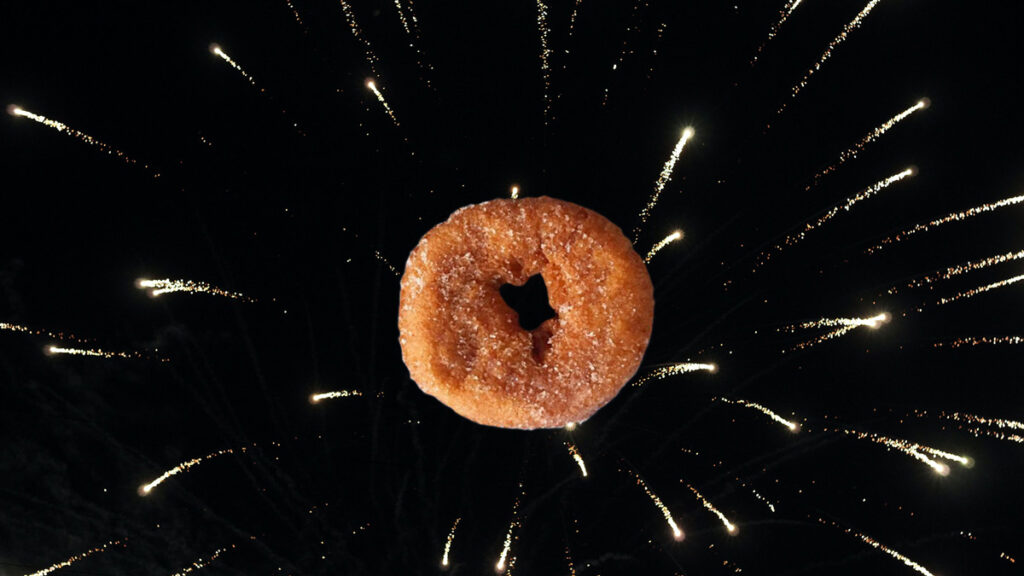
x,y
463,344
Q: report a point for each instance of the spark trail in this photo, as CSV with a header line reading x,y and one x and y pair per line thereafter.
x,y
676,532
336,394
958,269
974,419
145,489
673,369
357,33
68,336
503,559
220,53
295,13
514,193
879,546
794,239
577,457
784,15
925,454
850,27
201,563
20,112
411,26
448,543
875,134
979,290
380,98
870,322
661,244
954,217
632,28
96,352
545,56
729,526
663,178
168,286
793,426
980,340
76,558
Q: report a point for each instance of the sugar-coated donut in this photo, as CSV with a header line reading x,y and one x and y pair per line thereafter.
x,y
463,344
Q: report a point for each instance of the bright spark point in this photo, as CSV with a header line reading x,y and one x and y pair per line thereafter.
x,y
336,394
168,286
954,217
661,244
672,370
729,526
380,97
576,456
677,533
914,450
76,558
448,544
663,178
850,27
980,290
145,489
18,111
515,192
570,426
793,426
216,49
879,546
784,15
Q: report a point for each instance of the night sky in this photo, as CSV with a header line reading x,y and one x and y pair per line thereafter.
x,y
300,192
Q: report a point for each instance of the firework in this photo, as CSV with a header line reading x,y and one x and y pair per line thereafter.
x,y
295,12
871,137
96,352
975,419
503,559
576,456
336,394
871,322
514,193
632,28
148,487
980,340
663,178
954,217
76,558
793,426
729,526
850,27
879,546
676,532
960,269
979,432
411,26
784,15
448,543
219,52
545,55
201,563
979,290
572,19
763,499
380,98
168,286
20,112
914,450
67,336
661,244
673,369
845,206
357,33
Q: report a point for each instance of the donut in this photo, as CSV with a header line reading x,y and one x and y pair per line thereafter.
x,y
464,345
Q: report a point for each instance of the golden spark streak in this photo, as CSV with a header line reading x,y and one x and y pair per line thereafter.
x,y
784,15
500,566
448,544
870,322
914,450
145,489
871,137
295,12
41,332
980,290
76,558
845,206
762,499
729,526
336,394
380,97
663,178
879,546
850,27
959,269
168,286
18,111
218,51
99,353
201,563
954,217
357,32
672,370
577,457
979,340
545,55
975,419
413,32
793,426
676,532
572,20
661,244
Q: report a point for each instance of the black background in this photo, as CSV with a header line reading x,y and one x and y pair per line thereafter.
x,y
237,196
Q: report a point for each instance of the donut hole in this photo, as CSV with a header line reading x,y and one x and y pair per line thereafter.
x,y
530,302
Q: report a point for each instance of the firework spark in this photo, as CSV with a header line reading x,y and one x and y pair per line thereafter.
x,y
845,206
663,178
380,98
219,52
959,269
871,322
295,13
875,134
503,559
673,369
20,112
96,352
980,340
784,15
148,487
357,32
336,394
914,450
577,457
631,29
661,244
545,55
729,526
411,26
879,546
850,27
168,286
793,426
76,558
975,419
677,533
979,290
41,332
201,563
448,543
514,193
954,217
